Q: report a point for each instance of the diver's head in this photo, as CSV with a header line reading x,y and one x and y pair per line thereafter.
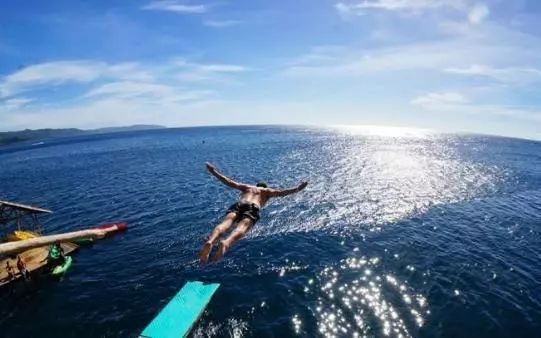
x,y
261,185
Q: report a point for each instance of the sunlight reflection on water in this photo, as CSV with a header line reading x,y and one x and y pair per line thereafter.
x,y
375,181
372,181
383,131
358,299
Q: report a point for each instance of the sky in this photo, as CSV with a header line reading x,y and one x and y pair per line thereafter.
x,y
446,65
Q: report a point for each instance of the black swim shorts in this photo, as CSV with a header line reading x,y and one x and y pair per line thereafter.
x,y
245,210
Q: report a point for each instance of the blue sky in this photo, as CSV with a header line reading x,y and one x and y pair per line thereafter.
x,y
449,65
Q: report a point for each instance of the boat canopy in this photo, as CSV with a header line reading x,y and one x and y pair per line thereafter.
x,y
20,216
23,207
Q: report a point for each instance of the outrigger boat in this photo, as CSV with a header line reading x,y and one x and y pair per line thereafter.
x,y
21,222
33,247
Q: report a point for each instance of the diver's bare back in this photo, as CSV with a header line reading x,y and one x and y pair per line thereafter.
x,y
255,195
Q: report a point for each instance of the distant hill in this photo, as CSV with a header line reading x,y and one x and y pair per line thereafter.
x,y
10,137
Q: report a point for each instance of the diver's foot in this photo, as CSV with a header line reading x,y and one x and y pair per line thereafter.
x,y
221,251
205,252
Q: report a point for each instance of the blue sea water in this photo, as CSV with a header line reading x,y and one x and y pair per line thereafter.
x,y
400,233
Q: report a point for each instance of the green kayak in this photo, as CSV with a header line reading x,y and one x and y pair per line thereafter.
x,y
60,269
84,241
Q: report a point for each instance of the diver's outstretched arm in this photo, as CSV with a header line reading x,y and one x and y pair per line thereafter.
x,y
285,192
226,180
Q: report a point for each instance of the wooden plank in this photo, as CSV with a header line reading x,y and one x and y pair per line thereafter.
x,y
24,207
37,242
177,318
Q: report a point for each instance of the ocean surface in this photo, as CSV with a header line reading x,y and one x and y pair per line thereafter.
x,y
400,233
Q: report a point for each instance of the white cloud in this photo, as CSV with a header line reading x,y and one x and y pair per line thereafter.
x,y
13,104
131,71
130,89
439,100
475,13
345,9
146,92
452,102
351,62
221,23
195,72
52,72
361,7
175,6
489,45
478,13
181,63
514,75
223,68
56,73
112,111
70,71
119,93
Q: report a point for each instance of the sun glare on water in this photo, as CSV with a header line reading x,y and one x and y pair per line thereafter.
x,y
364,180
384,131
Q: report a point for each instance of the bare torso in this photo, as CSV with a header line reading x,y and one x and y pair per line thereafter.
x,y
254,195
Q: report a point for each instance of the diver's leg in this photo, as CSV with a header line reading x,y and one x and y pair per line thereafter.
x,y
242,228
217,232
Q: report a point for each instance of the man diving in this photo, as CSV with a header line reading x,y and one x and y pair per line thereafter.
x,y
245,212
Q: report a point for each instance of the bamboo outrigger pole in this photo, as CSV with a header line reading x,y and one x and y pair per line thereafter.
x,y
18,246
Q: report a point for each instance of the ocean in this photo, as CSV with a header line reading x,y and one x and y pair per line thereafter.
x,y
400,232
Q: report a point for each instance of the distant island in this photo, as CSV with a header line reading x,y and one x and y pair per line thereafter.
x,y
10,137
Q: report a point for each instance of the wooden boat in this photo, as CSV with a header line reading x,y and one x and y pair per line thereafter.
x,y
14,217
35,250
35,259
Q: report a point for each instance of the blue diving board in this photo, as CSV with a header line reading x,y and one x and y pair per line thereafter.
x,y
177,318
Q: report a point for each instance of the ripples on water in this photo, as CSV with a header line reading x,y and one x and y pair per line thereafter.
x,y
357,304
401,232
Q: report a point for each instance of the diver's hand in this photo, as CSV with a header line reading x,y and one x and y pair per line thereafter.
x,y
210,167
302,185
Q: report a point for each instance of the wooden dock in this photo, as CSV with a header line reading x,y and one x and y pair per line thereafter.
x,y
33,259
